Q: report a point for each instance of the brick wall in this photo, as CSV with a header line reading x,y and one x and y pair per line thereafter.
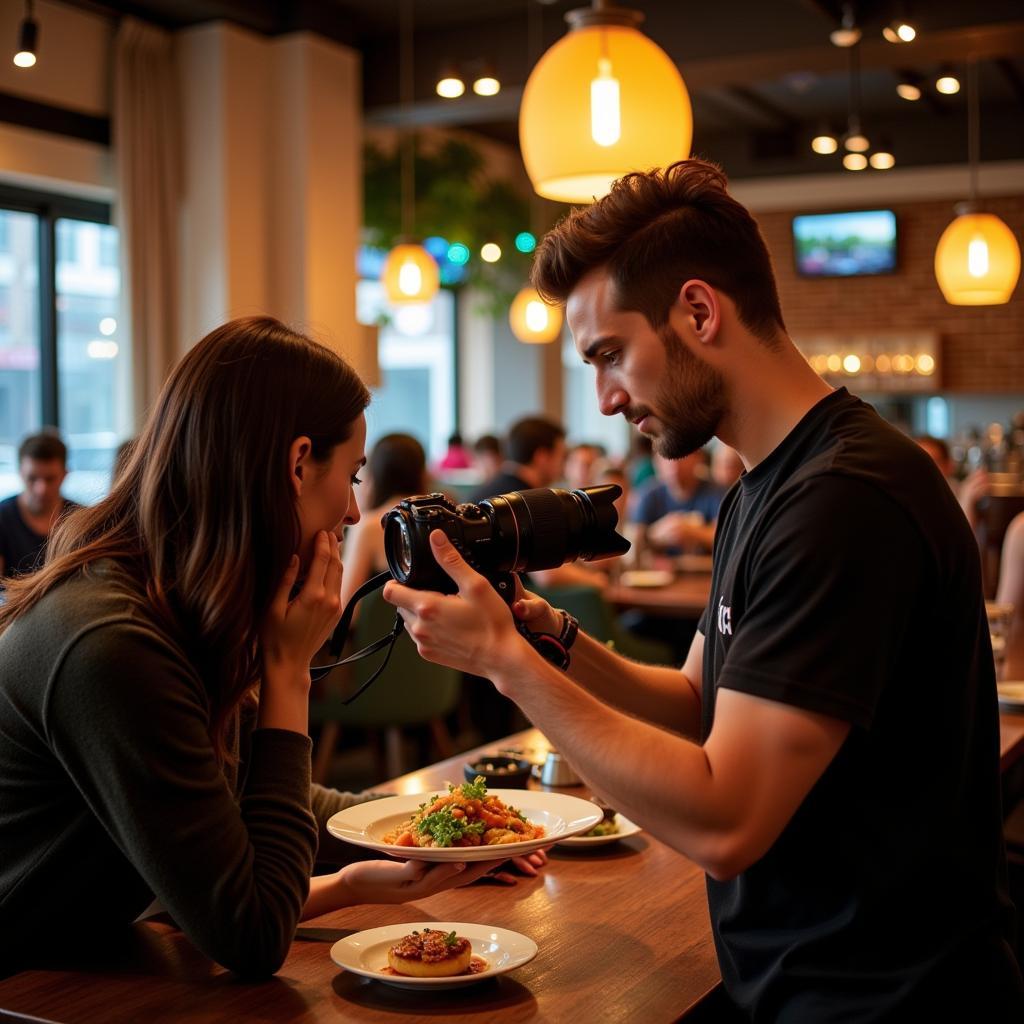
x,y
982,347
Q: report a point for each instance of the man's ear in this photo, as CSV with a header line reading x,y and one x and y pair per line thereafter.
x,y
699,303
298,458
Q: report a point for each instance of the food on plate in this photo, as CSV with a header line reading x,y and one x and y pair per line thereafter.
x,y
608,826
430,953
466,816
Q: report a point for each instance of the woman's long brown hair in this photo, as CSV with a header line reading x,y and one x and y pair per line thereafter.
x,y
203,518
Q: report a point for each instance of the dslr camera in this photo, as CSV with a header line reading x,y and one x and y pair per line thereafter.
x,y
521,531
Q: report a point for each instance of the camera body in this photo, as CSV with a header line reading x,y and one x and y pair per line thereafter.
x,y
521,531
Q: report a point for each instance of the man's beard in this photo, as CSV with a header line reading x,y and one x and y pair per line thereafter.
x,y
691,403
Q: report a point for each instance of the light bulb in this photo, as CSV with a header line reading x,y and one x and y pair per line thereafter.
x,y
824,144
908,91
948,85
856,143
855,161
25,59
605,107
450,88
486,85
490,252
977,257
410,278
882,160
536,316
851,364
899,32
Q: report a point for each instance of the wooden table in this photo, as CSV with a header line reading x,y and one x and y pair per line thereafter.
x,y
685,597
623,932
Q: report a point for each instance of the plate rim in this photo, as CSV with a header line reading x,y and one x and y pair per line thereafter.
x,y
584,840
461,927
355,833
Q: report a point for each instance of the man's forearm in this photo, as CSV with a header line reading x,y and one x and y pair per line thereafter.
x,y
655,693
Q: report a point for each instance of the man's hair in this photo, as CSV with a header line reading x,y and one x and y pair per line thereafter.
x,y
487,443
654,231
529,434
43,447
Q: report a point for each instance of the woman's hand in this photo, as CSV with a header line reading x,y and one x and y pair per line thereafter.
x,y
295,629
529,865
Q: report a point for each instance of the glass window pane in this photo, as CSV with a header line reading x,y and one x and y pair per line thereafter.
x,y
92,355
20,391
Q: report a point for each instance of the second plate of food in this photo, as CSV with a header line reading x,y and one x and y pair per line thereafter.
x,y
491,951
380,825
623,829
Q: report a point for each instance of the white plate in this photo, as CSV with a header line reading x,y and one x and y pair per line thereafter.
x,y
562,816
1011,695
626,829
646,578
366,952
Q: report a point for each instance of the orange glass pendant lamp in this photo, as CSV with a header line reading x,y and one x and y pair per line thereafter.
x,y
603,101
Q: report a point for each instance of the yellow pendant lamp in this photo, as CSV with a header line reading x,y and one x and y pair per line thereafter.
x,y
603,101
532,320
410,274
977,260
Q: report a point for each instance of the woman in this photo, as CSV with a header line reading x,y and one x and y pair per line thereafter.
x,y
397,468
154,675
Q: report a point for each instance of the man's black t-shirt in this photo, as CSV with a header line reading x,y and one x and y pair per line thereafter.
x,y
847,582
21,548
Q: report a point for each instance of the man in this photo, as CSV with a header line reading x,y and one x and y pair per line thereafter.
x,y
26,519
679,509
488,456
583,464
830,752
535,457
970,490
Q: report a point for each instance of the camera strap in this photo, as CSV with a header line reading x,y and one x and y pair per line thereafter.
x,y
340,634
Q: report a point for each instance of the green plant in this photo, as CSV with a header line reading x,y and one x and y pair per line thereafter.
x,y
457,201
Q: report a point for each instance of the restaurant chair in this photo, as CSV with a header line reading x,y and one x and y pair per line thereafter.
x,y
409,692
598,620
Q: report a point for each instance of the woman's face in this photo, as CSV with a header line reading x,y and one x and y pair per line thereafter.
x,y
326,496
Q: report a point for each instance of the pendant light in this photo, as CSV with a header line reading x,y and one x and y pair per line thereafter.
x,y
28,39
410,273
603,101
977,260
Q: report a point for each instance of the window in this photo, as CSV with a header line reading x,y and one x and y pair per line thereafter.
x,y
417,367
63,359
584,421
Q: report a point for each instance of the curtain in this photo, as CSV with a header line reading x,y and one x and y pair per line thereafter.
x,y
147,155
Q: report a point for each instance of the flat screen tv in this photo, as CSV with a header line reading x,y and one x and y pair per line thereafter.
x,y
845,244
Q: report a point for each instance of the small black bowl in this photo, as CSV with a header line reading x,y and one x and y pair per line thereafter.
x,y
499,771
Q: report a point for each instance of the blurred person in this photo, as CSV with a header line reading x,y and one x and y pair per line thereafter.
x,y
457,455
27,519
535,457
1011,592
154,674
582,462
488,455
969,491
396,468
855,861
641,461
726,466
679,509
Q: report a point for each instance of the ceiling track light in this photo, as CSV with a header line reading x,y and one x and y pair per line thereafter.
x,y
825,141
450,85
485,81
908,86
28,39
847,34
947,81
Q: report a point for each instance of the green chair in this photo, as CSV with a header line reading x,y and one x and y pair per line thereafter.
x,y
598,620
410,691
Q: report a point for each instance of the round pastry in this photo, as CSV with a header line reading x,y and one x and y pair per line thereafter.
x,y
430,954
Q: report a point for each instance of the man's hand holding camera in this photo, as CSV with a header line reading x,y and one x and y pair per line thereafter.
x,y
472,630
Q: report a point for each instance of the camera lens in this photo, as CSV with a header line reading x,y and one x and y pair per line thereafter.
x,y
404,547
398,546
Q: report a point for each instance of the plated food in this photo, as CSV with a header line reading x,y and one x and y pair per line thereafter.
x,y
432,953
546,817
492,951
467,816
606,831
